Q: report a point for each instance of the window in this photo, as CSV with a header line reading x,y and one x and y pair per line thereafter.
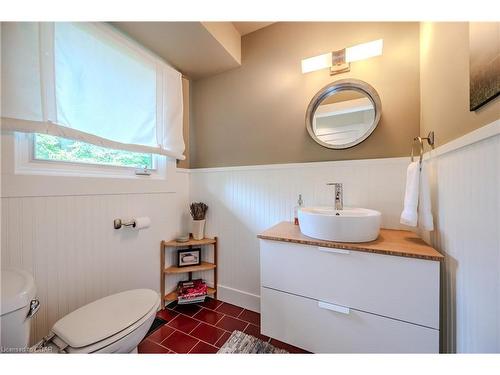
x,y
47,155
83,98
51,148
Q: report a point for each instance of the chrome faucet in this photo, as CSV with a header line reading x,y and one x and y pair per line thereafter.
x,y
339,196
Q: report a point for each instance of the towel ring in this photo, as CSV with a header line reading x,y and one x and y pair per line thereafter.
x,y
430,141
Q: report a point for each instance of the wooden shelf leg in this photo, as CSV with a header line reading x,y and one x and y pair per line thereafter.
x,y
162,275
216,267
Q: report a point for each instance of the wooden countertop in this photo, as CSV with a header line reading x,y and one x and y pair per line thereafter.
x,y
389,242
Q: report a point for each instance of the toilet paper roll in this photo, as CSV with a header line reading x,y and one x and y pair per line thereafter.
x,y
142,222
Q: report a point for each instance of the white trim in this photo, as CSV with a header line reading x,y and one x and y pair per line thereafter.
x,y
26,164
15,184
238,297
314,164
484,132
26,185
22,186
183,170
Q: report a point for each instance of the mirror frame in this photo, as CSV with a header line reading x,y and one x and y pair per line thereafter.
x,y
337,86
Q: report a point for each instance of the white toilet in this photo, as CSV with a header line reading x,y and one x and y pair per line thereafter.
x,y
113,324
19,305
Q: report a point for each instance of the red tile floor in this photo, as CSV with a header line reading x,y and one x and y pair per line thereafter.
x,y
204,328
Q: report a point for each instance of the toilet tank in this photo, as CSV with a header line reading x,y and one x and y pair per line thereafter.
x,y
18,306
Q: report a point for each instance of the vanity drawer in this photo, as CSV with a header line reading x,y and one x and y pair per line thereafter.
x,y
324,328
397,287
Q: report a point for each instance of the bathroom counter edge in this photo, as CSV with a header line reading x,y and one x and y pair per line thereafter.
x,y
389,242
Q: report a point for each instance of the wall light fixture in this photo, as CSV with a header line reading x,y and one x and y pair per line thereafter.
x,y
340,61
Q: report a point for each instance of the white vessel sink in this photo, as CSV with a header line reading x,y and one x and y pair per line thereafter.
x,y
347,225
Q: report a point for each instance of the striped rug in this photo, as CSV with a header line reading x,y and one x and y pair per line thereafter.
x,y
241,343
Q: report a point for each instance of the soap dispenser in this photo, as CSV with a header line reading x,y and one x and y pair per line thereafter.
x,y
300,203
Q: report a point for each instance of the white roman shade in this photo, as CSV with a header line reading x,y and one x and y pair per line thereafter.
x,y
88,82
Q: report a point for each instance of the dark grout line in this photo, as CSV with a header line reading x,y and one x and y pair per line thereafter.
x,y
209,324
199,323
213,325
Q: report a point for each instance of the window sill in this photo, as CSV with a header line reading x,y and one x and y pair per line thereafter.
x,y
62,169
16,185
26,164
26,178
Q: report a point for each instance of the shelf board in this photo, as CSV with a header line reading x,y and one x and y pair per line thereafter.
x,y
204,266
191,242
172,296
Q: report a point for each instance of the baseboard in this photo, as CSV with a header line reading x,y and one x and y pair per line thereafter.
x,y
238,297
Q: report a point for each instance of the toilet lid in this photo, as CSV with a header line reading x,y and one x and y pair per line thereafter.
x,y
105,317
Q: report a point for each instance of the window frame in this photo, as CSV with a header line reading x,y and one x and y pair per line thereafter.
x,y
154,161
26,163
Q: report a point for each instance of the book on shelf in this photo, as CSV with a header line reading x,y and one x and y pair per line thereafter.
x,y
191,291
183,301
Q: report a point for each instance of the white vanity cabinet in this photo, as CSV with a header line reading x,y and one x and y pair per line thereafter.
x,y
339,300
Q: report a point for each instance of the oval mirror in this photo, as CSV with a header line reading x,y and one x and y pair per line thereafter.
x,y
343,113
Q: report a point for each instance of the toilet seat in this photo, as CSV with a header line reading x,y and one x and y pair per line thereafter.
x,y
101,323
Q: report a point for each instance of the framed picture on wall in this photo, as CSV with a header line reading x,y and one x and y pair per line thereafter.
x,y
484,85
188,257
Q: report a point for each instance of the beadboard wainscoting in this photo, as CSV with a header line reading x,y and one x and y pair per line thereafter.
x,y
466,207
244,201
76,256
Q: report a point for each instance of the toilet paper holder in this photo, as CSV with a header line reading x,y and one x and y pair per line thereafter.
x,y
136,223
118,223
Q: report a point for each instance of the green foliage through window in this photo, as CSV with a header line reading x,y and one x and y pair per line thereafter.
x,y
48,147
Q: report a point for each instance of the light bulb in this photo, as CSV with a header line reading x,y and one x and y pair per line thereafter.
x,y
364,51
317,62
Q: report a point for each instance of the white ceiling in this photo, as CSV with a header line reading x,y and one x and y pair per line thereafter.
x,y
245,28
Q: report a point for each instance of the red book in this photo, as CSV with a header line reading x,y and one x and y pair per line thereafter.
x,y
191,289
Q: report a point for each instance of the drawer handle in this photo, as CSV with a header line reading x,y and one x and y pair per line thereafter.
x,y
333,251
332,307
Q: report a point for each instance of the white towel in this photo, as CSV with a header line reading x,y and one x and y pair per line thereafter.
x,y
424,201
409,216
417,204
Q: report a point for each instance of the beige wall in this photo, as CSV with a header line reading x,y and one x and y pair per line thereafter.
x,y
444,83
255,114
